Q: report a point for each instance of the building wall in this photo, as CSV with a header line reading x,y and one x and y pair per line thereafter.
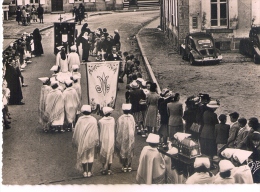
x,y
226,37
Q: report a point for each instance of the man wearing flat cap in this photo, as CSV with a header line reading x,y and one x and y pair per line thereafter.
x,y
106,127
71,103
54,108
151,169
125,138
73,57
45,89
85,139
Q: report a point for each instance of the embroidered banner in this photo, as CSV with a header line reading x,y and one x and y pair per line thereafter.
x,y
102,80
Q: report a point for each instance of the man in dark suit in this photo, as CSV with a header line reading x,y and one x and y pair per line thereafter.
x,y
234,127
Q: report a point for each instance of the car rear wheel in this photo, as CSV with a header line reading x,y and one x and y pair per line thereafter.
x,y
256,59
192,61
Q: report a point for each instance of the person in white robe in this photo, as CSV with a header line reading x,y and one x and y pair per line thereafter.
x,y
76,85
125,138
62,61
107,140
202,174
55,70
45,89
71,104
54,108
151,169
224,175
73,57
172,176
85,139
75,72
242,172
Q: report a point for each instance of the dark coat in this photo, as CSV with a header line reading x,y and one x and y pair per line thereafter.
x,y
18,15
37,38
13,83
221,133
190,118
162,106
210,119
135,96
233,134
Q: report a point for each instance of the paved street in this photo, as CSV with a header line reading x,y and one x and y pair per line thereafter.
x,y
32,157
38,158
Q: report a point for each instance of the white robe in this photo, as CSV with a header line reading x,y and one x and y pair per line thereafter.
x,y
71,103
200,178
220,180
63,64
107,139
85,138
242,174
73,59
45,89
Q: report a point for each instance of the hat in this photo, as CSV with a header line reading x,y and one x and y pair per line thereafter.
x,y
228,152
54,68
153,138
73,48
75,77
74,67
173,151
144,83
126,106
213,104
225,165
202,161
11,44
59,47
241,155
86,108
107,110
44,79
54,83
134,84
140,80
116,30
68,82
180,136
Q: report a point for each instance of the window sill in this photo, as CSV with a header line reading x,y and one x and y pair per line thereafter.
x,y
219,30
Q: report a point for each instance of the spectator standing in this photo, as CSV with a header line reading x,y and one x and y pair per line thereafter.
x,y
234,127
40,12
221,132
81,13
24,16
152,109
34,13
18,15
117,40
207,138
85,139
37,38
175,112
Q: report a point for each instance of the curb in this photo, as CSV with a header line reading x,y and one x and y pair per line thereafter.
x,y
145,59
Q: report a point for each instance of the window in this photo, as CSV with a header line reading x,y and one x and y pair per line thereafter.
x,y
34,1
194,22
219,13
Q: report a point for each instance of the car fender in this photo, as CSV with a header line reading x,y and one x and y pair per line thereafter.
x,y
195,54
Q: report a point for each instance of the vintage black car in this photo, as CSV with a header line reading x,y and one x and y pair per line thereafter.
x,y
251,46
199,48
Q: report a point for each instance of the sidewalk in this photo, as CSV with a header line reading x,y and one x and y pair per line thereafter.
x,y
13,31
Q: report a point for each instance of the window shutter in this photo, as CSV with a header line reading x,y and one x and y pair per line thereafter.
x,y
71,1
255,11
205,8
233,9
19,2
26,2
42,2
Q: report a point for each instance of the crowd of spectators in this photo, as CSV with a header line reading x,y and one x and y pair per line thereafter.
x,y
25,14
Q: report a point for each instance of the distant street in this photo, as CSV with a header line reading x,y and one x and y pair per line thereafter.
x,y
33,157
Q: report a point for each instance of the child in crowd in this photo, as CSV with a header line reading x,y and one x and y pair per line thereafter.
x,y
221,132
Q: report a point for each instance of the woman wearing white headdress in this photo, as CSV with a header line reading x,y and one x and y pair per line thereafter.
x,y
73,57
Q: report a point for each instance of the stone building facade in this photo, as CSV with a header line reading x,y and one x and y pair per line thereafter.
x,y
227,20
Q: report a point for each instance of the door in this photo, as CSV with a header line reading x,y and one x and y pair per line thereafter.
x,y
57,5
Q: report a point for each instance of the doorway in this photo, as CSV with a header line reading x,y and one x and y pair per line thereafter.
x,y
57,5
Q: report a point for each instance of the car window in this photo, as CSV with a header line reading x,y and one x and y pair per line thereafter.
x,y
203,43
